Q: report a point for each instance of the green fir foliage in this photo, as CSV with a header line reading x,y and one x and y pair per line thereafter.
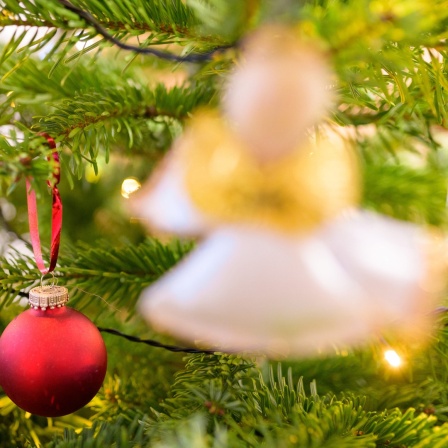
x,y
115,113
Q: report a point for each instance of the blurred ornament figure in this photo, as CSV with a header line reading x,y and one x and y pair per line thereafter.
x,y
288,266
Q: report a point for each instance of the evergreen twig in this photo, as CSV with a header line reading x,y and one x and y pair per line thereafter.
x,y
154,343
192,57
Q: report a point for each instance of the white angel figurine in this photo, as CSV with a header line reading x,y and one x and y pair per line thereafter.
x,y
288,266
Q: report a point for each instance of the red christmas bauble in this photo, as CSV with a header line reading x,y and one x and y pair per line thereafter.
x,y
52,362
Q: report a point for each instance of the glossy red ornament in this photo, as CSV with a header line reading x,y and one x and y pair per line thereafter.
x,y
52,362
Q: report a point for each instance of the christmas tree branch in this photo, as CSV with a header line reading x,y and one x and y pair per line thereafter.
x,y
153,343
411,194
198,57
85,111
92,121
96,121
114,275
167,23
230,395
24,156
115,26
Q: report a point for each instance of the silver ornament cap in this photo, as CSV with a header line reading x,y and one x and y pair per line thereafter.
x,y
48,296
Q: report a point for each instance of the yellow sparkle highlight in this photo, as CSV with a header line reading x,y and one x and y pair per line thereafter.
x,y
393,358
129,186
91,176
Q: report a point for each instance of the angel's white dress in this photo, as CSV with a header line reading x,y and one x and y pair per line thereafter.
x,y
249,287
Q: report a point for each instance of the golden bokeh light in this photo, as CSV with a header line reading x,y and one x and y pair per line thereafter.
x,y
129,186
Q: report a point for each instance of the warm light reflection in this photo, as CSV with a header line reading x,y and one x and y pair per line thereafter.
x,y
393,358
129,186
91,176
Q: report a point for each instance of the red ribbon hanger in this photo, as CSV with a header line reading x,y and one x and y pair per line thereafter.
x,y
56,216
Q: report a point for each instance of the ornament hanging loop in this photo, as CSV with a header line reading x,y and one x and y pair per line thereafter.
x,y
56,215
47,296
54,280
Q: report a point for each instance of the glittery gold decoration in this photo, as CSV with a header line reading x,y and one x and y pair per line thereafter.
x,y
296,192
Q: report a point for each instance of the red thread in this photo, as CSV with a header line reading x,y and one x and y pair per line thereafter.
x,y
56,216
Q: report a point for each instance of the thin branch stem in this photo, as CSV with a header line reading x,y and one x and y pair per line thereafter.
x,y
153,343
193,57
